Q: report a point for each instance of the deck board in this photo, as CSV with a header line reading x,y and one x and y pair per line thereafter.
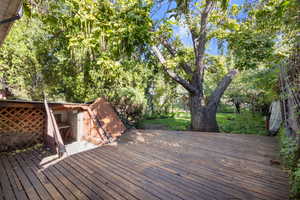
x,y
52,191
152,164
5,183
13,179
52,178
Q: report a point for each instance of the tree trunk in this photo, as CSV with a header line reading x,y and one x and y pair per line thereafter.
x,y
238,107
203,118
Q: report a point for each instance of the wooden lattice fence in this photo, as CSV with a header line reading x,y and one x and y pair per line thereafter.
x,y
290,92
20,127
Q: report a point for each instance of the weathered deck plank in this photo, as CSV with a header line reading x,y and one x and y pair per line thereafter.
x,y
53,179
39,188
13,179
152,164
54,193
5,183
107,191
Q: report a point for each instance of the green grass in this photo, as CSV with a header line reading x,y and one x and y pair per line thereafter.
x,y
245,123
179,122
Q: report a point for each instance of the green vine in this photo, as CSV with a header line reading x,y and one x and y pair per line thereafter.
x,y
289,151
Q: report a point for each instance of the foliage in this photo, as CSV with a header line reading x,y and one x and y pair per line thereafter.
x,y
257,88
288,152
261,42
267,35
99,44
295,188
78,50
130,105
161,94
250,48
19,64
281,18
217,67
226,108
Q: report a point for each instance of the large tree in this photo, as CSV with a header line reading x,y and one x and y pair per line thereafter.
x,y
201,19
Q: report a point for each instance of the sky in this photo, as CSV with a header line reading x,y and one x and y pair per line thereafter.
x,y
160,12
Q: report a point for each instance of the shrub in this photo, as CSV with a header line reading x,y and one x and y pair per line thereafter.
x,y
295,182
130,104
225,108
288,151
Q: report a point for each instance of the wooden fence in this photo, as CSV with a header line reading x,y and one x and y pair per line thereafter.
x,y
25,120
290,94
20,127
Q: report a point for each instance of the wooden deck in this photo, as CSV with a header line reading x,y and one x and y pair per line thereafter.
x,y
152,165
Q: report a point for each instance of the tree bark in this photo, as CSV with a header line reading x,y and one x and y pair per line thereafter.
x,y
238,107
215,97
203,118
189,87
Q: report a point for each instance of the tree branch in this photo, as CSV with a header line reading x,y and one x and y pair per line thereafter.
x,y
171,50
172,74
187,68
202,38
215,97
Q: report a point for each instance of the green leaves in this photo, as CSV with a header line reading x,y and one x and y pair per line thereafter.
x,y
97,40
224,4
77,50
250,48
20,68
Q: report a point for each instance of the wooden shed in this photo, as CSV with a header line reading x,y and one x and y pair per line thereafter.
x,y
24,123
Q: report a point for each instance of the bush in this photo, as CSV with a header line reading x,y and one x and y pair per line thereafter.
x,y
225,108
295,178
288,151
130,104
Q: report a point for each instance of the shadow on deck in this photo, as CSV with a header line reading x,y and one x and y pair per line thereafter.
x,y
151,164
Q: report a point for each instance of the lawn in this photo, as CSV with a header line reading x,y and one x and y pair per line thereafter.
x,y
245,123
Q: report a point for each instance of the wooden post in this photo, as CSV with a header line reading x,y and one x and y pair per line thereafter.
x,y
58,139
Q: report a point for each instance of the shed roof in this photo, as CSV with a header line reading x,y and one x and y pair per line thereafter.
x,y
39,102
8,9
26,103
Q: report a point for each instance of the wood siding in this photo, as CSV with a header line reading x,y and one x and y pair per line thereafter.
x,y
109,119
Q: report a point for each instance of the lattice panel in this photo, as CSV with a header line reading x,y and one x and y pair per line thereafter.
x,y
21,120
